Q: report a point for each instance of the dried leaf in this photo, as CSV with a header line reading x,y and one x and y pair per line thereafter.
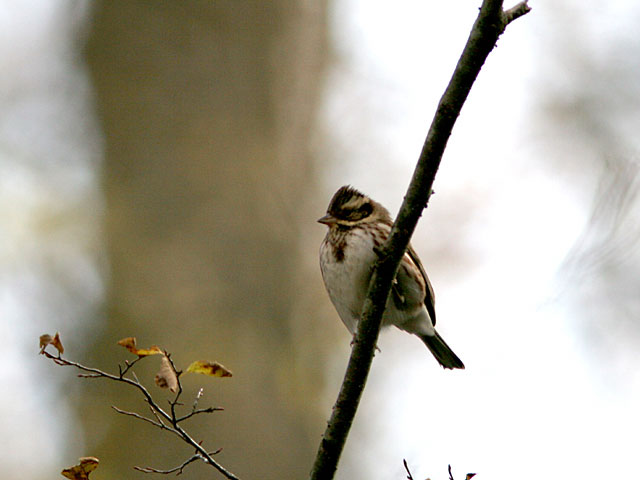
x,y
167,377
207,368
152,350
82,470
57,343
45,340
130,344
470,476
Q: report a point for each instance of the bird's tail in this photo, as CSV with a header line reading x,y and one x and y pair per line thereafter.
x,y
439,348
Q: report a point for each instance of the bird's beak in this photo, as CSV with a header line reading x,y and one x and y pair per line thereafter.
x,y
327,220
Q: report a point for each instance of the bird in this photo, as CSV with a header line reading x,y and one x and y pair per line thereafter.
x,y
358,226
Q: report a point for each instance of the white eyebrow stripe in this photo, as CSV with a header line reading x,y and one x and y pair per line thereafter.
x,y
353,204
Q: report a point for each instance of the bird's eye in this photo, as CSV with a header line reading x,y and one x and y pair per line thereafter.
x,y
359,213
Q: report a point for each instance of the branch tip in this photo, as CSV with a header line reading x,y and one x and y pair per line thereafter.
x,y
516,11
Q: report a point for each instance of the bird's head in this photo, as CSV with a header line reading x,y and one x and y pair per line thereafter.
x,y
349,208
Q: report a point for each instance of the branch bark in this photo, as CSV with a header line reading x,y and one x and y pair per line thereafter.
x,y
489,25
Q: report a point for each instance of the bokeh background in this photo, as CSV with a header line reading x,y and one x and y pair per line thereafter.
x,y
162,165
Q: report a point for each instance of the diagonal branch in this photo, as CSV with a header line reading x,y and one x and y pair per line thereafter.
x,y
489,25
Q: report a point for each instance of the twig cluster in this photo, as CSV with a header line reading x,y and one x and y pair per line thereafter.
x,y
169,420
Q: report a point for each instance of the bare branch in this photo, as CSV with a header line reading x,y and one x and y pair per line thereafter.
x,y
160,415
177,469
207,456
201,410
406,467
141,417
489,25
155,414
517,11
96,373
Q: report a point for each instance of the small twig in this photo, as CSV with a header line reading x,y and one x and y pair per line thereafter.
x,y
516,11
178,469
406,467
129,366
155,414
157,411
450,474
158,424
201,410
196,411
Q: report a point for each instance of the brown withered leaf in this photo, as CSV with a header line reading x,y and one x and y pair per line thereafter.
x,y
167,377
130,344
57,343
82,470
45,340
213,369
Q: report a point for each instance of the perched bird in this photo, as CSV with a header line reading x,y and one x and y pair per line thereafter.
x,y
358,226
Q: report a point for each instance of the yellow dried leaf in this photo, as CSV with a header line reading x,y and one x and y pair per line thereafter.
x,y
130,344
57,343
152,350
208,368
81,471
167,377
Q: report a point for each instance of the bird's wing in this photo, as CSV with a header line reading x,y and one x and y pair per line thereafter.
x,y
408,286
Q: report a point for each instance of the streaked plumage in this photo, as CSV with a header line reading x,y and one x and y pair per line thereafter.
x,y
358,226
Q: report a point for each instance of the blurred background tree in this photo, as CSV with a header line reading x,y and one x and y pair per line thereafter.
x,y
208,111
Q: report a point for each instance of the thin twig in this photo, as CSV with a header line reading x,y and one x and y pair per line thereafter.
x,y
158,424
178,469
406,467
128,366
157,411
489,25
155,414
201,410
516,12
100,374
187,438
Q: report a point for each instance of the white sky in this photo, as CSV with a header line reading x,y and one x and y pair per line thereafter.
x,y
530,404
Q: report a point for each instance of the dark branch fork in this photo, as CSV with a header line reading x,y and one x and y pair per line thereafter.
x,y
489,25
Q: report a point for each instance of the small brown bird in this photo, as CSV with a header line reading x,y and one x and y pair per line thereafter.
x,y
358,226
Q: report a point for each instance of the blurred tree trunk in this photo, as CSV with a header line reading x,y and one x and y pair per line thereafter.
x,y
207,111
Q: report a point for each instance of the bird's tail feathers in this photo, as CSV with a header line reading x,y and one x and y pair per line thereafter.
x,y
439,348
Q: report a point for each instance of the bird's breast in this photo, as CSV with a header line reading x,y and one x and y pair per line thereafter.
x,y
346,263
